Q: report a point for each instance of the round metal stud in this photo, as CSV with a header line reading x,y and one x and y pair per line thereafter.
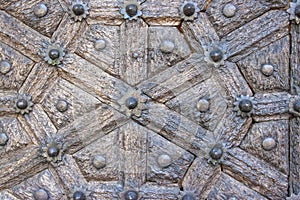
x,y
164,160
131,10
297,11
267,69
78,9
203,105
54,54
5,67
131,103
135,55
216,55
99,44
216,153
99,162
22,104
189,9
268,144
40,10
297,105
229,10
131,195
53,151
78,195
245,105
62,106
41,194
167,46
3,139
188,197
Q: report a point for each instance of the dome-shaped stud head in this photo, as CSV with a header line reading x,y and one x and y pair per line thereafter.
x,y
245,105
131,103
131,195
78,9
78,195
297,105
22,104
189,9
131,10
54,54
216,153
297,10
41,194
3,139
53,151
268,144
216,55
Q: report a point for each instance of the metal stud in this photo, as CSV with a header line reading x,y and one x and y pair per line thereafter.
x,y
5,67
131,195
189,9
78,9
297,105
135,55
267,69
229,10
216,55
54,54
297,10
41,194
167,46
245,105
99,162
131,103
188,197
203,105
268,144
3,139
216,153
22,104
78,195
62,106
131,10
99,44
40,10
164,160
53,151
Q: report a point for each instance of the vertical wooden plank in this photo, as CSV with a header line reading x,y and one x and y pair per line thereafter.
x,y
133,40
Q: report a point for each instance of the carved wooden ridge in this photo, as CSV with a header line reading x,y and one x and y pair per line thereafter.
x,y
145,99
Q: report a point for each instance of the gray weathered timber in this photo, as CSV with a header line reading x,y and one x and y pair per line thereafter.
x,y
145,99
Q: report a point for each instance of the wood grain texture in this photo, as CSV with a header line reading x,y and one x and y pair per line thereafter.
x,y
177,79
63,90
133,70
201,177
176,128
295,49
276,54
278,130
24,11
19,70
201,31
245,167
27,40
229,188
103,58
294,155
258,33
43,179
159,61
245,12
186,103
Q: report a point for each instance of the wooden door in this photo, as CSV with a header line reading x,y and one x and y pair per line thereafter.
x,y
113,99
